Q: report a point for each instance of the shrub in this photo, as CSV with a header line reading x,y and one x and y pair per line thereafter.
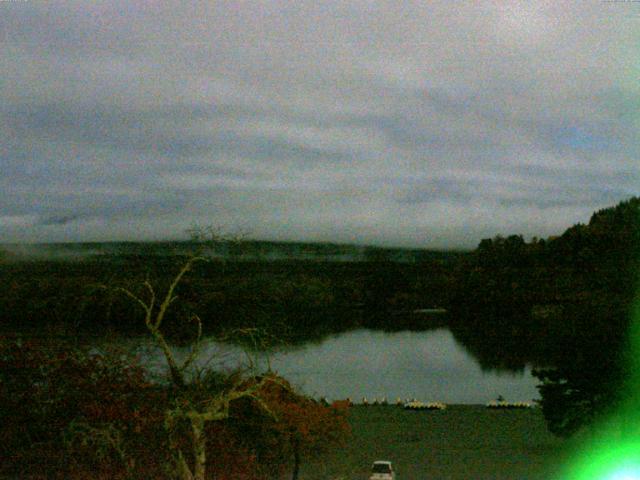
x,y
65,411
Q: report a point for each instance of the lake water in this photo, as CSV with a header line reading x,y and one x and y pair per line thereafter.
x,y
427,365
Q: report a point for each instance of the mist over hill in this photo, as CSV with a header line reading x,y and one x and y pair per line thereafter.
x,y
249,250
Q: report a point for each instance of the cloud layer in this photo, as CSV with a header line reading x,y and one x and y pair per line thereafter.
x,y
429,124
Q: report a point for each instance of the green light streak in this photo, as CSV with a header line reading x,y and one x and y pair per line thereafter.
x,y
617,461
613,450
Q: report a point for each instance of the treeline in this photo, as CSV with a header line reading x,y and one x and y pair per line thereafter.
x,y
563,304
294,300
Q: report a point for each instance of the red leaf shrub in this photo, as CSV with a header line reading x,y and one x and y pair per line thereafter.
x,y
57,402
297,426
67,413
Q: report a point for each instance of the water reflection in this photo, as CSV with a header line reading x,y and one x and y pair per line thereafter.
x,y
430,365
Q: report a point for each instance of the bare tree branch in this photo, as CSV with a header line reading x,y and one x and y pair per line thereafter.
x,y
214,408
195,349
169,297
137,299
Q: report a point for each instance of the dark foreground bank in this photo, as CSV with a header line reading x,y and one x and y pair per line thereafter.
x,y
461,442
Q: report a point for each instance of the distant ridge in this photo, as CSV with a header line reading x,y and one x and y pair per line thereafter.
x,y
245,250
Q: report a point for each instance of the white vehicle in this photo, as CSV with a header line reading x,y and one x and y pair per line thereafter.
x,y
382,470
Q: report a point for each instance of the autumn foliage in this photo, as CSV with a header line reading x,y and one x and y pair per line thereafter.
x,y
292,427
65,412
68,413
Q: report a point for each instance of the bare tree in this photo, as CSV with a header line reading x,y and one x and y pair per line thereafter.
x,y
192,408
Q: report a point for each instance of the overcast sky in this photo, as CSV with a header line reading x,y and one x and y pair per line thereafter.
x,y
407,123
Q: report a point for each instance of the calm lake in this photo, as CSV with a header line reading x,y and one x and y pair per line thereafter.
x,y
428,365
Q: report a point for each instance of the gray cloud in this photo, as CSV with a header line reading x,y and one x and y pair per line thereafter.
x,y
423,124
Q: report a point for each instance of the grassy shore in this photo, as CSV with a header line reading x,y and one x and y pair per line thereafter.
x,y
461,442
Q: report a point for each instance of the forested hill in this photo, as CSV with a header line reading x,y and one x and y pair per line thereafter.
x,y
563,303
596,263
609,243
292,290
